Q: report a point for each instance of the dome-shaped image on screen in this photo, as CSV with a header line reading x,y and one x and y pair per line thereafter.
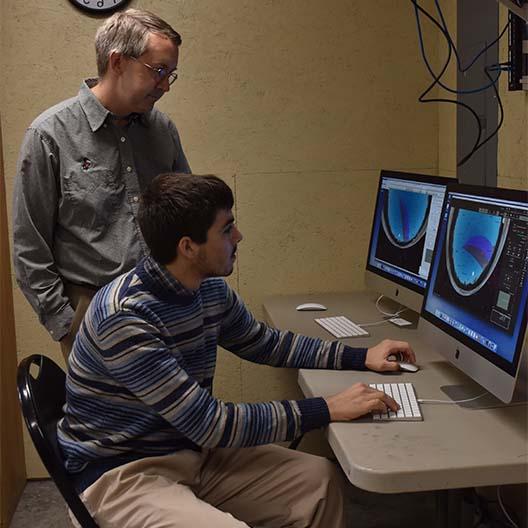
x,y
405,217
474,245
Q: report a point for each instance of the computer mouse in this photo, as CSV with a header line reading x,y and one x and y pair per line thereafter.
x,y
404,365
310,307
408,367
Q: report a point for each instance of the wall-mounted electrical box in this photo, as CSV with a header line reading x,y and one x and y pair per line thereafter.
x,y
517,44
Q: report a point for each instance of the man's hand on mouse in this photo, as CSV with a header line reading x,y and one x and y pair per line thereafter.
x,y
377,356
357,400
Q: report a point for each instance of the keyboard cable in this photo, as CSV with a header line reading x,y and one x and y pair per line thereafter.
x,y
422,400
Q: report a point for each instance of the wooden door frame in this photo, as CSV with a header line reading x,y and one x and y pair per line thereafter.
x,y
12,461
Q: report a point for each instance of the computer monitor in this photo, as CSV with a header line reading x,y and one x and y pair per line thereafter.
x,y
475,305
408,208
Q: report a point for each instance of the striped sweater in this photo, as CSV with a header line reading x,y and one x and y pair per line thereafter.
x,y
141,371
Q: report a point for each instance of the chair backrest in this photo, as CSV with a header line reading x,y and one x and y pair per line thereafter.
x,y
42,398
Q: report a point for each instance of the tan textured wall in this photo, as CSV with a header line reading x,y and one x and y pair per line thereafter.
x,y
297,104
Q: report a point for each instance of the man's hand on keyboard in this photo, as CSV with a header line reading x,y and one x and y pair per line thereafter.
x,y
357,400
377,355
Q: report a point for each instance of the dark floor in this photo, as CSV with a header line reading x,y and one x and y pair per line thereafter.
x,y
42,506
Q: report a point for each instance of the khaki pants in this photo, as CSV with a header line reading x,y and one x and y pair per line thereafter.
x,y
80,297
267,486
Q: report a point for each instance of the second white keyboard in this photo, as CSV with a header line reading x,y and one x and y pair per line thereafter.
x,y
405,396
341,326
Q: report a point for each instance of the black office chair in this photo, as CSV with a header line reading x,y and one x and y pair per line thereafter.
x,y
42,399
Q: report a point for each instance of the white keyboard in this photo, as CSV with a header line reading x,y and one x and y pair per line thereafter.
x,y
341,326
404,394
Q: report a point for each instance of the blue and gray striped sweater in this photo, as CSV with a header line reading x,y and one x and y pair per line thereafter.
x,y
141,372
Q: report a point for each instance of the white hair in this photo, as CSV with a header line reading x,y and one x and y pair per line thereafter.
x,y
127,32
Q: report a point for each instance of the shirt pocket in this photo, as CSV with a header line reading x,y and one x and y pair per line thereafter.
x,y
92,197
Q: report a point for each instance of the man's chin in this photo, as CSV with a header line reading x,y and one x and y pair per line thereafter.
x,y
224,273
152,99
146,105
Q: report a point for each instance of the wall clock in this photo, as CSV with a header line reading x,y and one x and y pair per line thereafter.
x,y
99,6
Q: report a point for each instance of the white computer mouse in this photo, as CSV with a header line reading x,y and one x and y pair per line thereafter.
x,y
310,307
408,367
404,365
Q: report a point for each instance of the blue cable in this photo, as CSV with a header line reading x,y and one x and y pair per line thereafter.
x,y
500,67
445,32
422,99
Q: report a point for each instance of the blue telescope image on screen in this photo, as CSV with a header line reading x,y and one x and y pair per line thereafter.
x,y
405,217
474,246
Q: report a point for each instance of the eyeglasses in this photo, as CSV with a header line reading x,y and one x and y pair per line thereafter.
x,y
161,72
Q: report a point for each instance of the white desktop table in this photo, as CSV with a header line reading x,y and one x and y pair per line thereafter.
x,y
451,448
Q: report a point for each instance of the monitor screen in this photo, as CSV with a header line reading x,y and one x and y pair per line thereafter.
x,y
478,287
406,217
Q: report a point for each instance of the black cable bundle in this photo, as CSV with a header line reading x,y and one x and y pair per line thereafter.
x,y
442,26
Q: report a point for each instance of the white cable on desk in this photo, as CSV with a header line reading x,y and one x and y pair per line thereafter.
x,y
421,400
504,509
400,311
373,324
387,314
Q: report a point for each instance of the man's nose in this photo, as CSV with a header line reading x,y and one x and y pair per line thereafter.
x,y
164,84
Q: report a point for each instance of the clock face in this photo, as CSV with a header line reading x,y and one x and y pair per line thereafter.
x,y
99,6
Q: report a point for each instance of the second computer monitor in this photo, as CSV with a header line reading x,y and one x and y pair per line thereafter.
x,y
476,304
406,217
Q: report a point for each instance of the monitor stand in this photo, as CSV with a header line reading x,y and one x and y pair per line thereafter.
x,y
458,393
471,389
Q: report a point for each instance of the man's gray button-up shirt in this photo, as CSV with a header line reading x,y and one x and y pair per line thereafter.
x,y
75,207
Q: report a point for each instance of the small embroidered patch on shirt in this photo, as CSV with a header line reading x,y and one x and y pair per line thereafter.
x,y
86,164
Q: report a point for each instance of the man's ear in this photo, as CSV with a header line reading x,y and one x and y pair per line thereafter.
x,y
187,248
116,62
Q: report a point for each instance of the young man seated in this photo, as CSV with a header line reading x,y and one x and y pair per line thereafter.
x,y
147,443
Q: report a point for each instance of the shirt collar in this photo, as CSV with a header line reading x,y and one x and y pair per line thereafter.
x,y
161,282
96,113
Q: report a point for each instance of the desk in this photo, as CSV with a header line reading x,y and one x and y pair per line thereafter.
x,y
452,448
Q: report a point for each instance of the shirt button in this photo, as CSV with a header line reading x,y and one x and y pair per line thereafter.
x,y
129,169
123,139
135,199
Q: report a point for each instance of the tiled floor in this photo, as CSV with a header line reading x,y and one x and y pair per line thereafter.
x,y
42,506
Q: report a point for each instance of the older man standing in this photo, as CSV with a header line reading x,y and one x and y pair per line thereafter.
x,y
82,166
